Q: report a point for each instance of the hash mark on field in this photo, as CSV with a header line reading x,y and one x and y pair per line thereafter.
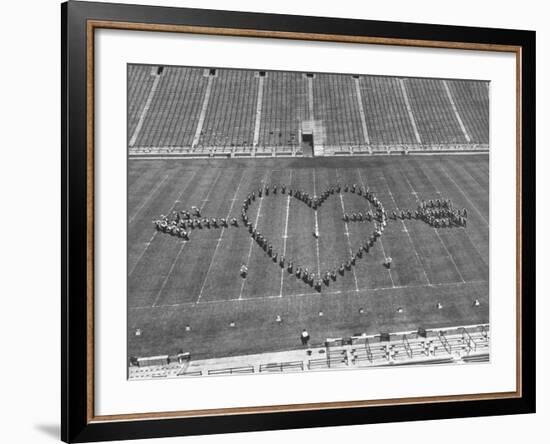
x,y
183,245
407,231
381,242
347,236
316,293
220,238
285,234
435,229
252,239
155,188
156,232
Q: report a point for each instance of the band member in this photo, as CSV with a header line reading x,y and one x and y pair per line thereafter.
x,y
283,188
282,261
387,262
244,271
234,222
304,337
290,266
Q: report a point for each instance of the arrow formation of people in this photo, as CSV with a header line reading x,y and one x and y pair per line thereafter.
x,y
439,213
179,223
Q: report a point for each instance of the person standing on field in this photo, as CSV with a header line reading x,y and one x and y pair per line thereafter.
x,y
304,336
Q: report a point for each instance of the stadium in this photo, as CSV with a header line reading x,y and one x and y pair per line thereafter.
x,y
335,175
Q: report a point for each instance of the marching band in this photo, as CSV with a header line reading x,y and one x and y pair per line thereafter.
x,y
438,213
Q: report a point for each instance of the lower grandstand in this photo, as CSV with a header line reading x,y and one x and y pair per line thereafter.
x,y
297,221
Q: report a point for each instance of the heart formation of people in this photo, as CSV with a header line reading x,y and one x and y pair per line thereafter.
x,y
439,213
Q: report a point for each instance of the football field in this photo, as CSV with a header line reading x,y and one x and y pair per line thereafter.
x,y
174,283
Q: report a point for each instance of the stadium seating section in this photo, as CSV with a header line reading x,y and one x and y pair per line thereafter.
x,y
439,346
202,112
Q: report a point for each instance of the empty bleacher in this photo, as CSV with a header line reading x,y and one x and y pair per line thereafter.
x,y
230,115
284,107
433,113
336,105
140,82
199,112
472,101
386,113
173,115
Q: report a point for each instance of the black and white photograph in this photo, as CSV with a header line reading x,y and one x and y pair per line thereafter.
x,y
287,221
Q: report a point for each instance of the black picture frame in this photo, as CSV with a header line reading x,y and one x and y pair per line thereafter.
x,y
77,422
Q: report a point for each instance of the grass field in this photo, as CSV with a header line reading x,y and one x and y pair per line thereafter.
x,y
172,283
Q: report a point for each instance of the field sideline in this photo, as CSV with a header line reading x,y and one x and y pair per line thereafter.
x,y
172,283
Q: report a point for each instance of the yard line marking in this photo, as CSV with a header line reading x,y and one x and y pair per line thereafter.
x,y
336,292
347,235
156,232
361,111
183,245
483,187
202,115
381,242
464,194
155,188
435,229
285,234
144,111
258,111
316,227
409,110
219,240
251,239
457,115
407,231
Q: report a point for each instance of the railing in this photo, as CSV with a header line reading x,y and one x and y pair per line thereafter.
x,y
281,366
232,370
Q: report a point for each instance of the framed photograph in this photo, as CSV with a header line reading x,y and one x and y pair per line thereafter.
x,y
276,221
